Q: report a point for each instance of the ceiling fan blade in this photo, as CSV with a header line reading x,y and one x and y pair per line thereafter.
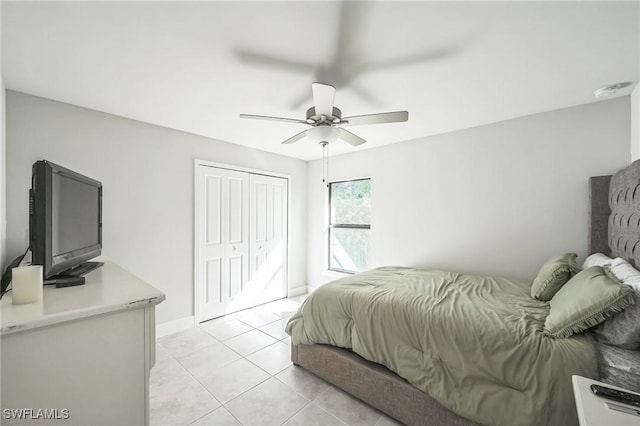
x,y
353,22
323,95
296,138
266,117
365,94
383,117
350,138
262,59
426,56
302,100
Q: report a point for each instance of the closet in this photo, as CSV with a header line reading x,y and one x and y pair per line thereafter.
x,y
240,239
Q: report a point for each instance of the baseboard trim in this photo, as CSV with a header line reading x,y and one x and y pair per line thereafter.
x,y
186,323
175,326
311,289
293,292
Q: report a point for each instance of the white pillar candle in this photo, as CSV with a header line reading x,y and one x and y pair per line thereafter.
x,y
26,284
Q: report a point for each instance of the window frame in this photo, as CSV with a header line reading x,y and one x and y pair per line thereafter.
x,y
332,226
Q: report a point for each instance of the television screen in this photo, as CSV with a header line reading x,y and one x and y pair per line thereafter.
x,y
73,227
65,224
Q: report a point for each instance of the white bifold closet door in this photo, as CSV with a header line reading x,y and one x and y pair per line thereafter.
x,y
241,237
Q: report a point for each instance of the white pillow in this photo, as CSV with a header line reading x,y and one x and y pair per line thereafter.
x,y
625,272
623,329
597,259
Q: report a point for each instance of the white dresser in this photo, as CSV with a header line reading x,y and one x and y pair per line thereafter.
x,y
81,356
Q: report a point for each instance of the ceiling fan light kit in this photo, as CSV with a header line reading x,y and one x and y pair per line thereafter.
x,y
326,134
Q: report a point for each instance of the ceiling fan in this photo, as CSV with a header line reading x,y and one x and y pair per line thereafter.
x,y
324,119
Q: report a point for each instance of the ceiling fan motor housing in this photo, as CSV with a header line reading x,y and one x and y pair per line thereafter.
x,y
315,119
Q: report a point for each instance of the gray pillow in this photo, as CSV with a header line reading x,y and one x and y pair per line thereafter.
x,y
552,275
585,301
623,329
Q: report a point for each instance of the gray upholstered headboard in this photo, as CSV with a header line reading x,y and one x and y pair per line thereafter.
x,y
614,227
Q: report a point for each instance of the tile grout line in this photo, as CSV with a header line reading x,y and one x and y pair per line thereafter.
x,y
271,376
241,356
297,412
195,379
223,404
310,401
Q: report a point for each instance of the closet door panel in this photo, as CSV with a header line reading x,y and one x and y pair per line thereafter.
x,y
213,214
241,240
213,281
236,202
223,247
236,276
260,208
267,233
279,212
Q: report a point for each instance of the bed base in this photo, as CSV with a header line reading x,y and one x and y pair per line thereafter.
x,y
375,385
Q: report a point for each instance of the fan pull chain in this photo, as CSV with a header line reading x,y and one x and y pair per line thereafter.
x,y
325,162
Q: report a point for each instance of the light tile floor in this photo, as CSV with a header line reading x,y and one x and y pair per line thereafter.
x,y
236,370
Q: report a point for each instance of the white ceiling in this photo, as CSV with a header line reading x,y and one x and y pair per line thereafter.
x,y
195,66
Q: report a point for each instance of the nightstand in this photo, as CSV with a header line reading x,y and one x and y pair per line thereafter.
x,y
592,409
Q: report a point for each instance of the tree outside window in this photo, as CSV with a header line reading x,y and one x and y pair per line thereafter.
x,y
349,225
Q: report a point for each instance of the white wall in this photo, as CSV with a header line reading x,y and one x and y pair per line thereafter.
x,y
147,175
3,179
498,199
635,123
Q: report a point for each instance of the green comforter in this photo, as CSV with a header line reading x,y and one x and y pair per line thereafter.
x,y
474,344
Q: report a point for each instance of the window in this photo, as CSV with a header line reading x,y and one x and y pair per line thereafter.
x,y
349,225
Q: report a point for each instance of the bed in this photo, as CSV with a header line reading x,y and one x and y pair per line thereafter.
x,y
445,360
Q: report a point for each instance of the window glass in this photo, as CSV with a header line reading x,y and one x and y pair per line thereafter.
x,y
351,202
349,249
349,225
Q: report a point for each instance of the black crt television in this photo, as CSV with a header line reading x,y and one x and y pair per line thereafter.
x,y
65,218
